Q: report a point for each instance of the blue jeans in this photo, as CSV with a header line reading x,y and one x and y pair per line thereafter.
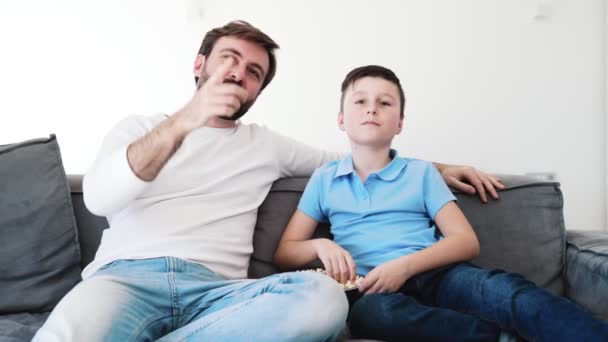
x,y
467,303
169,299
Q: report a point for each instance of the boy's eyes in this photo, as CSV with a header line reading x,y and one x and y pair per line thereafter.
x,y
382,103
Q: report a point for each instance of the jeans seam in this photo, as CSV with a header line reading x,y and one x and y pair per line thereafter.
x,y
174,295
144,325
227,314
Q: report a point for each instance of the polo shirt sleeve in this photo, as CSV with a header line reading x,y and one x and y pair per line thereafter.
x,y
311,200
436,192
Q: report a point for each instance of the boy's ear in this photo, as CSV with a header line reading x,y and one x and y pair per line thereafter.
x,y
199,62
341,120
400,127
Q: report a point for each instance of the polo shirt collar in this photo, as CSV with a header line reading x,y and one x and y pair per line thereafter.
x,y
345,166
388,173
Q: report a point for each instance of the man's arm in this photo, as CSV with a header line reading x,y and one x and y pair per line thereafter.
x,y
457,176
132,155
148,155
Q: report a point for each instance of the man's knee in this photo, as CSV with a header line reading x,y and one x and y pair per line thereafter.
x,y
87,311
323,304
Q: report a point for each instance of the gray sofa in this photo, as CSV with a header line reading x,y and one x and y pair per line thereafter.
x,y
522,232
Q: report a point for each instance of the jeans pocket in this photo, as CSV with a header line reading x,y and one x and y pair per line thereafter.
x,y
109,265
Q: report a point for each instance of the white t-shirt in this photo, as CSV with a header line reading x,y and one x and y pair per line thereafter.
x,y
203,204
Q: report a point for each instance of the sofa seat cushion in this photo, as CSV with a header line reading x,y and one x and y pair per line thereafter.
x,y
38,237
20,327
587,270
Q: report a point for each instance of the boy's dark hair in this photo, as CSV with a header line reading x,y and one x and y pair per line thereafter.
x,y
372,71
244,30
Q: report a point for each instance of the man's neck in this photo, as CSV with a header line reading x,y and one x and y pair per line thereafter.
x,y
367,159
216,122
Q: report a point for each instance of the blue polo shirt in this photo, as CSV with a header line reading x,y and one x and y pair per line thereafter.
x,y
388,216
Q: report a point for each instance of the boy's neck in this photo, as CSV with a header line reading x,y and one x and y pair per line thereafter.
x,y
367,159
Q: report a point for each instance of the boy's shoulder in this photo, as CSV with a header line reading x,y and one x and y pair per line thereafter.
x,y
417,163
328,169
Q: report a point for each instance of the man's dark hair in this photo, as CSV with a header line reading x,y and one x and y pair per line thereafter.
x,y
244,30
372,71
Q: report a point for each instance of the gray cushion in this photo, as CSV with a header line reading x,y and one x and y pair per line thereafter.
x,y
38,237
20,327
587,270
522,232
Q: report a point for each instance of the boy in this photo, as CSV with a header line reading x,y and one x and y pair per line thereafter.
x,y
384,211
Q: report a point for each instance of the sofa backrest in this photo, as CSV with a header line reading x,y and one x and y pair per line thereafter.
x,y
522,232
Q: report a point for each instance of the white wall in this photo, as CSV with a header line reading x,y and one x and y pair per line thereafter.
x,y
606,114
487,84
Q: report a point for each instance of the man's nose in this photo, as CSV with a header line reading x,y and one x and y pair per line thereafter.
x,y
237,73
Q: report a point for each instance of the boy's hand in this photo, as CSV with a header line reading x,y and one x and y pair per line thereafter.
x,y
338,263
385,278
478,181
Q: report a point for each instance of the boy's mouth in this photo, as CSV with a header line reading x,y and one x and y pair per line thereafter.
x,y
373,123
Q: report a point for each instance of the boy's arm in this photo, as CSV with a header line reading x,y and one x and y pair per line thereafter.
x,y
297,249
478,181
459,244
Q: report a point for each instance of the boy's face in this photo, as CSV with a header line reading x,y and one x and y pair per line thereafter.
x,y
371,112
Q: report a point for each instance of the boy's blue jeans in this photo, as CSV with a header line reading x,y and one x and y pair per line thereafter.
x,y
465,303
169,299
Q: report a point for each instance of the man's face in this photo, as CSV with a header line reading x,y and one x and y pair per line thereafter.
x,y
372,112
250,66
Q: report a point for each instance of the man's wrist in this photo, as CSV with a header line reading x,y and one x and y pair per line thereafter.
x,y
178,127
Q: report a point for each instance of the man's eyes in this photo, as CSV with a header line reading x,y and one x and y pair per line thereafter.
x,y
360,101
256,74
225,57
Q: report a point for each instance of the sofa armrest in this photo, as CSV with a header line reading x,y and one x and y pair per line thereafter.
x,y
587,270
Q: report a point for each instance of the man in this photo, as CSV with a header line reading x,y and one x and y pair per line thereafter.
x,y
181,195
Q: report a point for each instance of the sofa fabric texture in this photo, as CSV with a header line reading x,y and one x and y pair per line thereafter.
x,y
587,270
39,245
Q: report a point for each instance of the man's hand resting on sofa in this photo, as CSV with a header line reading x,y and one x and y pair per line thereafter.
x,y
470,180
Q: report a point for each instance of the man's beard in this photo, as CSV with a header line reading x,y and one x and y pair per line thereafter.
x,y
244,106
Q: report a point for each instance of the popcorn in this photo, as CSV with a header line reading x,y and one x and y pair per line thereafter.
x,y
349,285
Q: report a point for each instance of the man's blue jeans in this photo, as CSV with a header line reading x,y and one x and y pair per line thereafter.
x,y
467,303
169,299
